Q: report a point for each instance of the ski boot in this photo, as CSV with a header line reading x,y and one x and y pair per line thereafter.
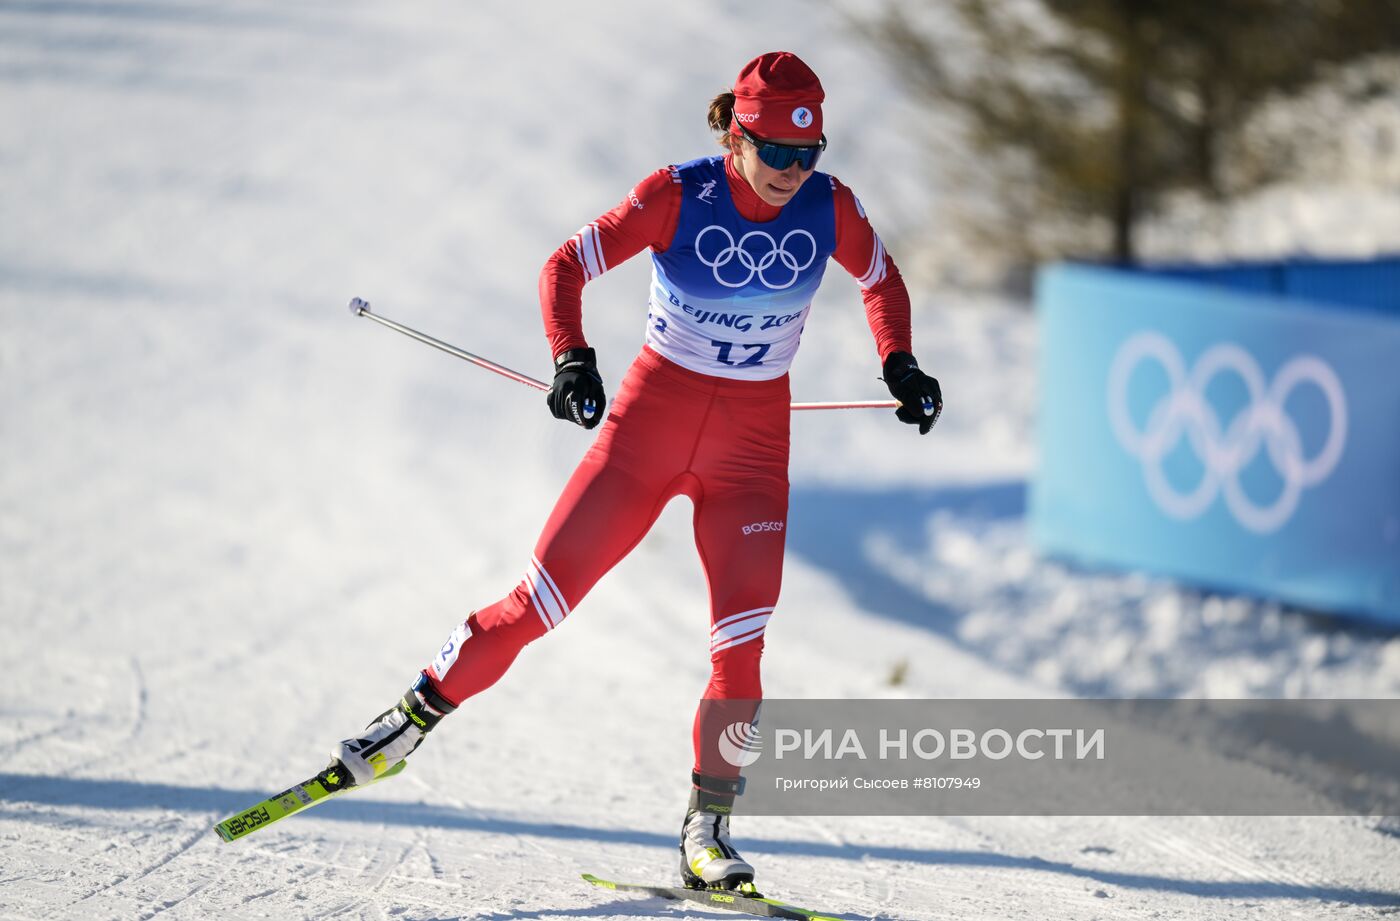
x,y
708,860
388,739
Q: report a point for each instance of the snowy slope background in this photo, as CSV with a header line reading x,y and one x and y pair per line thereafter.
x,y
234,521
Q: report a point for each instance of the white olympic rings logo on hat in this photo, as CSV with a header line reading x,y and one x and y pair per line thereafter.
x,y
776,251
1224,454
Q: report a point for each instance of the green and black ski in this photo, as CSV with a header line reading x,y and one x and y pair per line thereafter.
x,y
328,784
730,900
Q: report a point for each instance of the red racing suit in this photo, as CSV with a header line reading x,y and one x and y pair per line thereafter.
x,y
720,438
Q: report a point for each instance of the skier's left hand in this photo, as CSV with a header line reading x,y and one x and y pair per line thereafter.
x,y
920,398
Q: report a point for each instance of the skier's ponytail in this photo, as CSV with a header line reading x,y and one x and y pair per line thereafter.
x,y
722,116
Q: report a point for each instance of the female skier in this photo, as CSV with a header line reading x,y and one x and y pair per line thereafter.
x,y
739,243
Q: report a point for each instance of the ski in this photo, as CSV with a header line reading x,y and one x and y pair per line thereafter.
x,y
325,785
730,900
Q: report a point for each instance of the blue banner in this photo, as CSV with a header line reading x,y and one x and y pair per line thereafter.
x,y
1221,437
1367,284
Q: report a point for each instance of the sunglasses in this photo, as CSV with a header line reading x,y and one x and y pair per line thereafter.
x,y
781,156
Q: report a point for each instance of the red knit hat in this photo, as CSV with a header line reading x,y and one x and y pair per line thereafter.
x,y
776,96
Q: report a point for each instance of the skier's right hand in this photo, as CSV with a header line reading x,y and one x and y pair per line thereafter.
x,y
577,394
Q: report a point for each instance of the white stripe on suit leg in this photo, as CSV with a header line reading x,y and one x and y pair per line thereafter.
x,y
552,586
728,632
733,617
534,603
543,598
738,640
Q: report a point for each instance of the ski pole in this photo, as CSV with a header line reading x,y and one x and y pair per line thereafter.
x,y
859,404
360,308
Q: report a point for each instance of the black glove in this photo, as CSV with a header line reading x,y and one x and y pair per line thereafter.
x,y
920,397
577,394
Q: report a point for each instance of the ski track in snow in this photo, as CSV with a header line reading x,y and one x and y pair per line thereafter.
x,y
234,523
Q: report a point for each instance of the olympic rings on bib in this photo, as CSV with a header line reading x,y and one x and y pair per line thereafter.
x,y
1184,411
773,252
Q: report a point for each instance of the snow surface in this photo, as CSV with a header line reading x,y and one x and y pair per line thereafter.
x,y
234,521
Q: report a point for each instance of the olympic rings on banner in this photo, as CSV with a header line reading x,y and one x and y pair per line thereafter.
x,y
1184,411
